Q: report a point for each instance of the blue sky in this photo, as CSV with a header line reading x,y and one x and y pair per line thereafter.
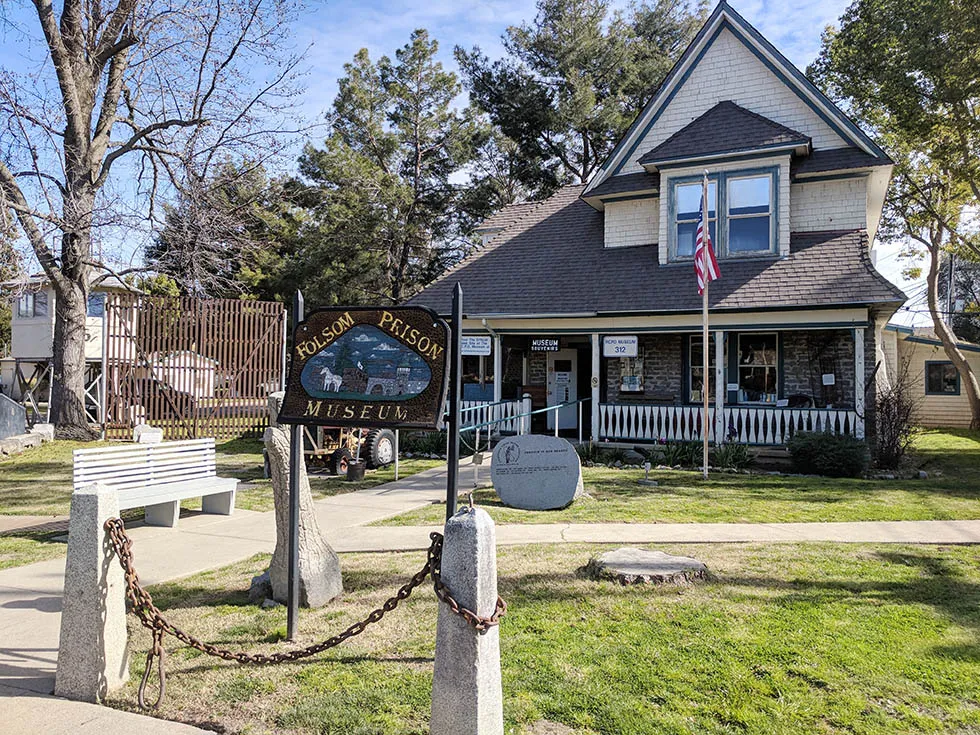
x,y
334,31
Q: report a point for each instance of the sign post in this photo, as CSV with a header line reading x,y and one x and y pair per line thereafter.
x,y
455,387
380,367
295,457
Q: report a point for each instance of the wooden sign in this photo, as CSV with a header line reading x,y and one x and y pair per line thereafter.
x,y
368,367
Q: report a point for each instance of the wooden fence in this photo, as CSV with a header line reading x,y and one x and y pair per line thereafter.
x,y
193,367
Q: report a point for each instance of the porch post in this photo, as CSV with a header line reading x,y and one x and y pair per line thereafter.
x,y
498,363
595,387
719,387
859,381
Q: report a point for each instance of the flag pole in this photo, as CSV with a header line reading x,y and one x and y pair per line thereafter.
x,y
704,320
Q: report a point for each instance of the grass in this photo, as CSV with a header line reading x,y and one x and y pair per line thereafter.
x,y
38,482
826,638
683,497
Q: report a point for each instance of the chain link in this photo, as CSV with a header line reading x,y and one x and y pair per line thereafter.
x,y
152,619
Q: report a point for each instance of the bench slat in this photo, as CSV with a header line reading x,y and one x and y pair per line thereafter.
x,y
114,479
173,491
122,449
141,457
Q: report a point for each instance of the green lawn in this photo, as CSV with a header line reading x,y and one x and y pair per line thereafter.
x,y
38,482
790,639
952,458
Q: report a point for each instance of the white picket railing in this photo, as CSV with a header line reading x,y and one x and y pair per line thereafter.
x,y
743,424
503,415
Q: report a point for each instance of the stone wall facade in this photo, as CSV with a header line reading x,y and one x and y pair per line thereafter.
x,y
808,355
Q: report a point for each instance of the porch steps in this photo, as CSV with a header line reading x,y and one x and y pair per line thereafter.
x,y
772,458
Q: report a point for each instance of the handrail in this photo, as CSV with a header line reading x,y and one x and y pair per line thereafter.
x,y
529,413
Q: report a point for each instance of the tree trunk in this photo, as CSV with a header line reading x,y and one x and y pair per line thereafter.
x,y
967,377
319,568
68,374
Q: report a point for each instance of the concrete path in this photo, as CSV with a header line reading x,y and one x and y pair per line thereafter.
x,y
30,596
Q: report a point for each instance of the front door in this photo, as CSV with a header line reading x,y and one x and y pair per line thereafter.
x,y
563,388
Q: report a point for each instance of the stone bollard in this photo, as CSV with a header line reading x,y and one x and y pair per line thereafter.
x,y
466,689
93,654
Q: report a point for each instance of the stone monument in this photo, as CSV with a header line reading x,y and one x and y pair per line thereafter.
x,y
536,472
319,568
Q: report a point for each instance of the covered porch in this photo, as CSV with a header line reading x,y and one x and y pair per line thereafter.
x,y
638,380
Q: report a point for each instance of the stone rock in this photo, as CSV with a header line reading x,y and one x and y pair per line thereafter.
x,y
923,475
467,694
45,431
269,602
93,651
629,565
319,566
275,405
146,434
631,457
536,472
261,588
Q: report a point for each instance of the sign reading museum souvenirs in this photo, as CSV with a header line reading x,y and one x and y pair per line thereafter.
x,y
368,367
544,345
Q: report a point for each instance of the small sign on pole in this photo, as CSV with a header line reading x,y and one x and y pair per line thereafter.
x,y
475,346
621,346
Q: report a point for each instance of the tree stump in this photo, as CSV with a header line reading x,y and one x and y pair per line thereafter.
x,y
319,568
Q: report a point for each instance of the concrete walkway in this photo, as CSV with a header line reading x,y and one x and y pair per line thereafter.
x,y
30,596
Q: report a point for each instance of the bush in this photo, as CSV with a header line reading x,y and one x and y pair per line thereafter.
x,y
823,453
894,429
684,454
424,442
732,456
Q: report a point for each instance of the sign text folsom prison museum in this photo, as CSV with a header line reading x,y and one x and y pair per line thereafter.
x,y
368,367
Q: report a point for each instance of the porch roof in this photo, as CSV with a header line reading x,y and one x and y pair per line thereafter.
x,y
552,261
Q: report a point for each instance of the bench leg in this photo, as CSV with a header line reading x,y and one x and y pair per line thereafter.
x,y
219,503
163,514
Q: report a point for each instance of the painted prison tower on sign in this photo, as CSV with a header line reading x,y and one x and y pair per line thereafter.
x,y
368,367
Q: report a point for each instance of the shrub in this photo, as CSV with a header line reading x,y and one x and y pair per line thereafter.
x,y
424,442
732,456
823,453
685,454
894,430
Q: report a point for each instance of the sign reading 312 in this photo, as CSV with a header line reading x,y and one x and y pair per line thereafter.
x,y
368,367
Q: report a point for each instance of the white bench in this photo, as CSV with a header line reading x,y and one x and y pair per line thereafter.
x,y
158,476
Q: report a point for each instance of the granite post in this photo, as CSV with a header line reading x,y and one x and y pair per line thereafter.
x,y
93,654
466,689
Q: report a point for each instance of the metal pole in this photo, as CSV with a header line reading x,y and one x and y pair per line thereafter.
x,y
704,336
580,422
396,453
295,458
476,467
455,388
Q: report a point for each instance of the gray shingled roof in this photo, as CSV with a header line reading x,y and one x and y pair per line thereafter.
x,y
835,159
553,262
626,183
725,128
504,218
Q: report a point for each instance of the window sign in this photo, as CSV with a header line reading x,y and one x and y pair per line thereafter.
x,y
621,346
475,346
544,345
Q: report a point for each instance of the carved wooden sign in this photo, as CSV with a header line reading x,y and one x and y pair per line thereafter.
x,y
368,367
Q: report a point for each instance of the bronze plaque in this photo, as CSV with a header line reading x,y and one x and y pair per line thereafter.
x,y
368,367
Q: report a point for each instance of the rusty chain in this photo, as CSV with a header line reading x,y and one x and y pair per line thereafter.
x,y
152,619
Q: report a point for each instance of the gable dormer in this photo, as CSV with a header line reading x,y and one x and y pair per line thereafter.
x,y
780,156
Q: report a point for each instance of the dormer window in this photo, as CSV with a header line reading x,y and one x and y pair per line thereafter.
x,y
742,223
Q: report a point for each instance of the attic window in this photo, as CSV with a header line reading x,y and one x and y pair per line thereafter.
x,y
741,224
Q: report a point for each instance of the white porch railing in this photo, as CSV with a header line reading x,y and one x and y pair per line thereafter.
x,y
503,415
744,424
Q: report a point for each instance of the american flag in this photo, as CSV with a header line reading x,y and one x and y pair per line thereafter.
x,y
702,244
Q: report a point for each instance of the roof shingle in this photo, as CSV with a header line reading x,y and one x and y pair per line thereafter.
x,y
725,128
553,262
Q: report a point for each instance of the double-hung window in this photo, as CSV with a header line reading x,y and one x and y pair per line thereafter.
x,y
741,213
688,208
696,367
942,378
32,304
758,379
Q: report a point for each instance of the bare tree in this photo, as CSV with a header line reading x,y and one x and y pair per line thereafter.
x,y
132,101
